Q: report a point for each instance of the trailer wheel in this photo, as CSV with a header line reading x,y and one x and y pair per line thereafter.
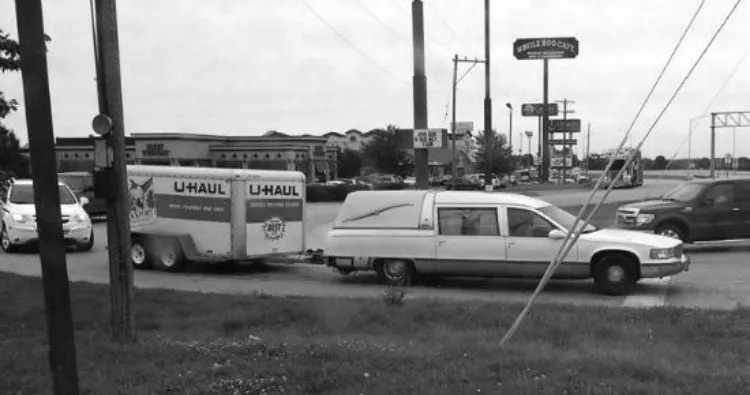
x,y
139,255
169,256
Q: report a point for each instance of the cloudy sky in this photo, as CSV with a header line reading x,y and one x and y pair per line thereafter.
x,y
313,66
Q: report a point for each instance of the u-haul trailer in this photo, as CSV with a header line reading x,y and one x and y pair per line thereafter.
x,y
180,214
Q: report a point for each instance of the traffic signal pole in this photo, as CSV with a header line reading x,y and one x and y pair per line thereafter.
x,y
62,350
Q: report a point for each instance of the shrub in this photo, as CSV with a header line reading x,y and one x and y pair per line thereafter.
x,y
331,193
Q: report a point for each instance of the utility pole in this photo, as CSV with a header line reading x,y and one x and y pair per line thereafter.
x,y
588,145
565,113
420,93
545,126
453,123
122,319
35,76
487,100
713,144
456,60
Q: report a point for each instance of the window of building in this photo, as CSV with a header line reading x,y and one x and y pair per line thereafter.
x,y
278,156
244,156
223,156
525,223
86,156
66,156
75,155
255,156
234,156
468,221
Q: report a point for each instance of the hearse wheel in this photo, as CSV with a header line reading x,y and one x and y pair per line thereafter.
x,y
139,256
397,272
615,274
168,255
671,230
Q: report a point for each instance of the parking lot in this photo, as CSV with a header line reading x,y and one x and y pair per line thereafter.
x,y
718,278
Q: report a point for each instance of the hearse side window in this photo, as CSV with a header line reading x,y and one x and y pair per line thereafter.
x,y
468,222
722,195
525,223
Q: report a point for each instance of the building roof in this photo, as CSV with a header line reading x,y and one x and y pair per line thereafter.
x,y
227,139
337,134
353,131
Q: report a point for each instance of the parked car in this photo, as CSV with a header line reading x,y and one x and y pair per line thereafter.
x,y
18,224
697,210
82,185
466,182
403,234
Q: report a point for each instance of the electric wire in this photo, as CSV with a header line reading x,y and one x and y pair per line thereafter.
x,y
351,44
574,232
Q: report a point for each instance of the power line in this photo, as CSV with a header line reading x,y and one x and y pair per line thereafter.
x,y
447,27
380,21
427,34
346,40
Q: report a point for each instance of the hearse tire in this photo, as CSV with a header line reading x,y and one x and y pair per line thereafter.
x,y
615,274
398,272
671,230
168,255
87,246
140,256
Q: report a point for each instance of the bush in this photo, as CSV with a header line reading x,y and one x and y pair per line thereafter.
x,y
331,193
389,186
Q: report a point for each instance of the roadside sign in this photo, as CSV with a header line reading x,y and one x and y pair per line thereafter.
x,y
565,142
537,109
558,162
546,48
101,124
564,125
428,138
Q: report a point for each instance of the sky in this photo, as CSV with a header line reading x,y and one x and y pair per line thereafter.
x,y
237,67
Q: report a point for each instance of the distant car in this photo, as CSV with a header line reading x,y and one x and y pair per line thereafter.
x,y
410,181
18,220
697,210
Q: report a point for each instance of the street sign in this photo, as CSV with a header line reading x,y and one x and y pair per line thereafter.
x,y
546,48
564,125
537,109
565,142
428,138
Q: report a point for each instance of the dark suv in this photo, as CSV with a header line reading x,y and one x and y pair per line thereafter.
x,y
698,210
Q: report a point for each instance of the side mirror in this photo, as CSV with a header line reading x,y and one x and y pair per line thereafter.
x,y
84,201
556,234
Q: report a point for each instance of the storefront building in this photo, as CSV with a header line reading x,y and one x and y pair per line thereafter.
x,y
276,151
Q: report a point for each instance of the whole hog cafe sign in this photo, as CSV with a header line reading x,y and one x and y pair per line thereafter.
x,y
546,48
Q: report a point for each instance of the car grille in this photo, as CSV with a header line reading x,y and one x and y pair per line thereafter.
x,y
626,216
678,250
65,219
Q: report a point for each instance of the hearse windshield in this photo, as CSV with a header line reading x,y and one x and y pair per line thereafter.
x,y
685,192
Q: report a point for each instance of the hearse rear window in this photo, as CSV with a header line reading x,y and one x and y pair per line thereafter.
x,y
468,221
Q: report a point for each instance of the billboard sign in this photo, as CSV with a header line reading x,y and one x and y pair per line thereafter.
x,y
563,142
537,109
564,126
428,138
545,48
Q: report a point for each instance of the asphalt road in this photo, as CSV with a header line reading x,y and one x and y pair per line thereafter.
x,y
719,277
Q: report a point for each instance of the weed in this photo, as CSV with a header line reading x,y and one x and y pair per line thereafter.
x,y
394,295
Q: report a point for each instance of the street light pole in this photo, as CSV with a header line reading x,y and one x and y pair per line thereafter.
x,y
487,100
529,134
510,131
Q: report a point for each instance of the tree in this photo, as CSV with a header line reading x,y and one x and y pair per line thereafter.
x,y
660,162
11,159
349,163
704,163
501,154
385,153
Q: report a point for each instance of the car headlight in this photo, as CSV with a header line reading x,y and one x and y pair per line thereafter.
x,y
663,253
80,218
643,219
21,218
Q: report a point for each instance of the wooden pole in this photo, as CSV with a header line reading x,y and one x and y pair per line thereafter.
x,y
62,350
118,221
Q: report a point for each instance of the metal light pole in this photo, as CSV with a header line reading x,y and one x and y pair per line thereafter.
x,y
510,131
487,100
529,134
453,124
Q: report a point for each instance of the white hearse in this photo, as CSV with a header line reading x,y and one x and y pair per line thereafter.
x,y
178,214
402,234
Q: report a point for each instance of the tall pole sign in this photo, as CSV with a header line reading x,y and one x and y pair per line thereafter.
x,y
545,49
421,166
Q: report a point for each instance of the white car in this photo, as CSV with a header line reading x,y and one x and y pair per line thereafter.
x,y
18,223
402,234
